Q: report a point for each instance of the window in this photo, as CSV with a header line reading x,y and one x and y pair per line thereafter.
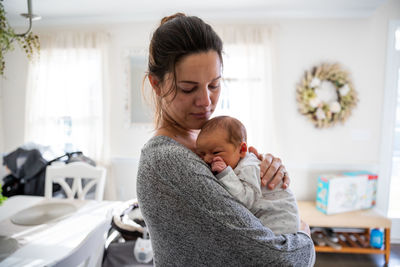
x,y
65,97
246,90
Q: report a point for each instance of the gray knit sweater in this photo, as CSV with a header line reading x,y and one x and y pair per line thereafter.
x,y
194,221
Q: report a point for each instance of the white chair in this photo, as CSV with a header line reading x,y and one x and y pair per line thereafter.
x,y
77,171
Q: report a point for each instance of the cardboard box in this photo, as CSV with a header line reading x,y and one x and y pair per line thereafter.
x,y
346,192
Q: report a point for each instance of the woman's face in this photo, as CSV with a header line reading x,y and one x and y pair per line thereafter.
x,y
198,79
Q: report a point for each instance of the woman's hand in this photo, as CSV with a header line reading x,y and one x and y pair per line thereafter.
x,y
272,171
304,227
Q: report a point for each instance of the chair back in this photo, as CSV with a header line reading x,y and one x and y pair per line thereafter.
x,y
77,171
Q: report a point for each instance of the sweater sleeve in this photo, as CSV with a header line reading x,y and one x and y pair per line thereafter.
x,y
245,187
194,221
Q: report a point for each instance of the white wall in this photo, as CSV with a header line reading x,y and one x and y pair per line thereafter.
x,y
13,99
358,44
306,149
126,141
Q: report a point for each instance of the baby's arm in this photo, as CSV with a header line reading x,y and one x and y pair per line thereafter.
x,y
245,189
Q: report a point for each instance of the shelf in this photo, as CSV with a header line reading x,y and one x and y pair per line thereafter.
x,y
354,219
350,242
350,250
358,244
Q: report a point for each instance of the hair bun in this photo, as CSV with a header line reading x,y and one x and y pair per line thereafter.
x,y
168,18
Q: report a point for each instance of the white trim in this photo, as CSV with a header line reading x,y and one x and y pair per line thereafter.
x,y
388,119
395,231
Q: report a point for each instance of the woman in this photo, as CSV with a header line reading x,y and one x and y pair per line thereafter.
x,y
192,219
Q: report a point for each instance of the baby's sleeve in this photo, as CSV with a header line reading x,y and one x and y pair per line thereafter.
x,y
245,187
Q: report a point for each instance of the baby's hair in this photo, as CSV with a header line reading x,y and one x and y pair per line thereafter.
x,y
236,130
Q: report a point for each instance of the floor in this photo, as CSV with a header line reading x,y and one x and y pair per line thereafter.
x,y
358,260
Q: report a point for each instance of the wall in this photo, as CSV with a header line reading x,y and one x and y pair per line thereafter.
x,y
307,150
13,100
358,44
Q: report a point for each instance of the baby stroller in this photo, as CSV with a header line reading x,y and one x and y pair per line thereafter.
x,y
28,170
128,243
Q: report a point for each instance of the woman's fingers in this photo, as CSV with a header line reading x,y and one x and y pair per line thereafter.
x,y
266,161
304,227
286,181
253,150
277,178
274,172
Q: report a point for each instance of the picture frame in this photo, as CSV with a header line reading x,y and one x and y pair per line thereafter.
x,y
137,111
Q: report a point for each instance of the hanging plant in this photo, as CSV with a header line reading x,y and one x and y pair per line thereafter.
x,y
2,198
326,95
28,42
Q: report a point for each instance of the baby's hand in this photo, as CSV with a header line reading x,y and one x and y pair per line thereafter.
x,y
218,164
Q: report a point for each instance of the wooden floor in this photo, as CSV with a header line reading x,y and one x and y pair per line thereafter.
x,y
358,260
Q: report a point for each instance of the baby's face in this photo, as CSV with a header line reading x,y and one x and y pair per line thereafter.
x,y
215,144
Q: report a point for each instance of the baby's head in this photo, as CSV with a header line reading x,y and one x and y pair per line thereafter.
x,y
222,136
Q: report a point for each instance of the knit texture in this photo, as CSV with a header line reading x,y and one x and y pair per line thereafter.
x,y
194,221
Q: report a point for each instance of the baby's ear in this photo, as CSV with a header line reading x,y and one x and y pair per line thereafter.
x,y
243,149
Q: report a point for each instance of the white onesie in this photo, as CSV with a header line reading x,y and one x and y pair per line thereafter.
x,y
277,209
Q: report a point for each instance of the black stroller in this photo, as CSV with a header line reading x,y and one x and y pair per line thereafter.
x,y
28,169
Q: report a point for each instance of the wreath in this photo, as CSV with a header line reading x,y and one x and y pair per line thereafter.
x,y
326,95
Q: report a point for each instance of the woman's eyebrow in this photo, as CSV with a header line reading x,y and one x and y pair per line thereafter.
x,y
192,82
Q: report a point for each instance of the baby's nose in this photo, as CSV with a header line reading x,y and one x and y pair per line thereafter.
x,y
208,158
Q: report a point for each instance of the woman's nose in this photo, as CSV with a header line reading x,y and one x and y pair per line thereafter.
x,y
203,97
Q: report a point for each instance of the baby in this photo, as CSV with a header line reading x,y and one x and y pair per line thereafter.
x,y
222,144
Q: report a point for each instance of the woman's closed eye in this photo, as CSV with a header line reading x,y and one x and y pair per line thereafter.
x,y
187,90
214,86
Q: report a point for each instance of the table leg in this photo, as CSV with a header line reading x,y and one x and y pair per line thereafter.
x,y
387,245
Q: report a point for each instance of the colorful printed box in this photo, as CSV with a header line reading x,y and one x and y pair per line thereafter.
x,y
346,192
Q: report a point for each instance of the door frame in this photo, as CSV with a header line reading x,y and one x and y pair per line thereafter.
x,y
388,124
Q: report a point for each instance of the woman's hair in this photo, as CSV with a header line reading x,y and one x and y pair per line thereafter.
x,y
235,129
176,37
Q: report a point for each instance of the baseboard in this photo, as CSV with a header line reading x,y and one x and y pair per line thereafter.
x,y
395,231
395,241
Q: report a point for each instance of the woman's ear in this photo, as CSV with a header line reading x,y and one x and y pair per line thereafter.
x,y
155,84
243,149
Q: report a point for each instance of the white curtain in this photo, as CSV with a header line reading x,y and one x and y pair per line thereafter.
x,y
247,87
67,97
65,100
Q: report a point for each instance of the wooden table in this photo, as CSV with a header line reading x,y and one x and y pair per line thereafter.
x,y
365,219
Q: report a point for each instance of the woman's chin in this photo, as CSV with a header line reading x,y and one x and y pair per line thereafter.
x,y
196,125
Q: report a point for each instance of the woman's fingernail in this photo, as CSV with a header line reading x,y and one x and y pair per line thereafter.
x,y
271,185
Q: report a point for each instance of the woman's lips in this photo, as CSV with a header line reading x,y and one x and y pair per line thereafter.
x,y
202,115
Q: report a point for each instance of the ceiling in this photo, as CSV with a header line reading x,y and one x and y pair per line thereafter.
x,y
66,12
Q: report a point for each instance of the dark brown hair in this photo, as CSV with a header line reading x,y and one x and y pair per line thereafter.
x,y
176,37
236,130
